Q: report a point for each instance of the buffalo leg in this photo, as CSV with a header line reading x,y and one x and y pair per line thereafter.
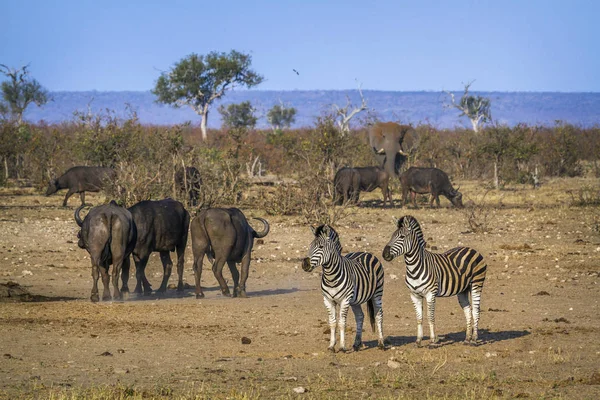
x,y
69,194
105,283
414,199
217,268
165,258
236,277
140,274
82,197
125,275
117,265
95,275
245,267
180,264
198,261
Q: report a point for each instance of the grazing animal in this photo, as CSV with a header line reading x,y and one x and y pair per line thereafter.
x,y
108,234
349,182
225,236
347,281
386,140
81,180
189,184
457,272
161,226
429,180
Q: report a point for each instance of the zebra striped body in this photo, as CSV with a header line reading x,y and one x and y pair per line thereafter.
x,y
457,272
347,281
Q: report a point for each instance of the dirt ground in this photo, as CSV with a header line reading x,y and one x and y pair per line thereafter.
x,y
540,323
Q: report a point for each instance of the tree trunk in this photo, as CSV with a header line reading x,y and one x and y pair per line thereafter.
x,y
496,178
475,125
6,168
204,123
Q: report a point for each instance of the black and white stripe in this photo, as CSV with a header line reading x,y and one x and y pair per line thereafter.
x,y
457,272
347,281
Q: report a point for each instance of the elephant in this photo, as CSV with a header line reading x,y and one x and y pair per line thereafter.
x,y
386,140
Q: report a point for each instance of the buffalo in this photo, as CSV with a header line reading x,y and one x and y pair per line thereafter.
x,y
80,180
225,236
161,226
108,234
189,184
429,180
349,182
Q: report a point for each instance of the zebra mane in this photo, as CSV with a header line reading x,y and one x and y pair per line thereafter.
x,y
413,225
322,229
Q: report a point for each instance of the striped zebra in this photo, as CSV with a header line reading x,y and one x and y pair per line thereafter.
x,y
458,271
347,281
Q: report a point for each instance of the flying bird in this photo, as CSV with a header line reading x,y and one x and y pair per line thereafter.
x,y
297,73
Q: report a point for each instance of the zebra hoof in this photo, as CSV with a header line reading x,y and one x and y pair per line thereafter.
x,y
344,350
199,295
381,346
331,349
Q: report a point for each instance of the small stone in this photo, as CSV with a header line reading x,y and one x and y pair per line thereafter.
x,y
106,353
121,371
246,340
393,364
300,390
120,351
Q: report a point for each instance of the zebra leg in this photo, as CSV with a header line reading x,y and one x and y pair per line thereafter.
x,y
378,310
330,305
430,298
344,307
463,300
476,300
418,304
359,316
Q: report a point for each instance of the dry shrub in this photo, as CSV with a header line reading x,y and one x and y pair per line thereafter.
x,y
477,215
587,195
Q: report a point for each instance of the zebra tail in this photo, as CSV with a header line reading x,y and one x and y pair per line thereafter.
x,y
371,311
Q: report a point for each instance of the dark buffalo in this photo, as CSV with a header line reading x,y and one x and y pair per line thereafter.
x,y
225,236
108,234
349,182
189,184
429,180
81,180
161,226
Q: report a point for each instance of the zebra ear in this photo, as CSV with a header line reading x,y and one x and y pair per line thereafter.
x,y
395,221
313,230
326,230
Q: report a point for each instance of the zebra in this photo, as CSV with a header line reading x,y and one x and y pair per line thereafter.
x,y
347,281
457,272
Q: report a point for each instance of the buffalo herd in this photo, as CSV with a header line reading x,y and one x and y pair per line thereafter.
x,y
111,233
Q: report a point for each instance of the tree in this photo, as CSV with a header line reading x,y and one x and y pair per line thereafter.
x,y
19,92
344,115
476,108
280,117
238,115
199,80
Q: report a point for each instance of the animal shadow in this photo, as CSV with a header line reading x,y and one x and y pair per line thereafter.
x,y
485,337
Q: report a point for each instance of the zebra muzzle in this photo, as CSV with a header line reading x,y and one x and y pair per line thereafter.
x,y
387,256
306,265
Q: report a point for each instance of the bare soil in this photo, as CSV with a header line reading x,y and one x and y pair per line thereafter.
x,y
540,318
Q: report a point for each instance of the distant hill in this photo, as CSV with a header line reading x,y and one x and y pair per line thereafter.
x,y
415,107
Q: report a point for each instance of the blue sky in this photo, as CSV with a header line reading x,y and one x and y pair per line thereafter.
x,y
505,45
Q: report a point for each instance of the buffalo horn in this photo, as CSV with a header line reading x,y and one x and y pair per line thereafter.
x,y
77,217
266,229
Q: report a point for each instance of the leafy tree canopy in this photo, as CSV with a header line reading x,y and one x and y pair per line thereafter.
x,y
281,116
198,80
238,115
19,91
